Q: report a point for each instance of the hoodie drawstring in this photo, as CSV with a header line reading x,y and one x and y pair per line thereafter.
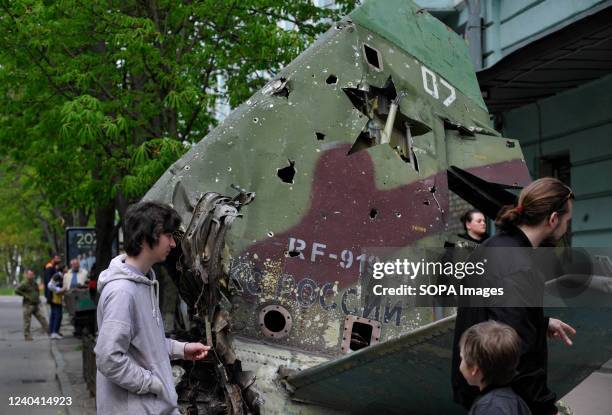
x,y
155,299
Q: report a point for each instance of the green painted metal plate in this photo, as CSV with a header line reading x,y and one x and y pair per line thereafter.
x,y
423,36
411,374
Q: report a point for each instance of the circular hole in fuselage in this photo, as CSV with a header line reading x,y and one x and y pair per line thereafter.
x,y
274,321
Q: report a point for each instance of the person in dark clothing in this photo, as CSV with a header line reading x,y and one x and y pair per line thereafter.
x,y
542,214
475,227
456,250
490,353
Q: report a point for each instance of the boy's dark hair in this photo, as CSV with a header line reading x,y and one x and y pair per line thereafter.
x,y
146,221
495,348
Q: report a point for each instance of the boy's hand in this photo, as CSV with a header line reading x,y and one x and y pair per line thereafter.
x,y
559,330
196,351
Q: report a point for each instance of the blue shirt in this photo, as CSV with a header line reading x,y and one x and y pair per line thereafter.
x,y
499,401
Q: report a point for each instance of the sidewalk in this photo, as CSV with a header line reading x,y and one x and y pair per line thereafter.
x,y
593,396
28,370
67,354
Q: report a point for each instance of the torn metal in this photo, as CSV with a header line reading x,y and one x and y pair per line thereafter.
x,y
204,262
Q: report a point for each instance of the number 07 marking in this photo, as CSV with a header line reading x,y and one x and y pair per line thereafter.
x,y
430,85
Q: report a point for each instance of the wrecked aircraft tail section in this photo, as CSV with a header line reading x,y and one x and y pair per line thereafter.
x,y
362,142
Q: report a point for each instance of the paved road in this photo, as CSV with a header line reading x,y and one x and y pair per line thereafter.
x,y
27,368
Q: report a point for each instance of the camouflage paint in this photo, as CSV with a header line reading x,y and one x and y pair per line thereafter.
x,y
402,23
339,204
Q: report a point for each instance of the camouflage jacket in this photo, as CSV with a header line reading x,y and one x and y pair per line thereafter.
x,y
29,291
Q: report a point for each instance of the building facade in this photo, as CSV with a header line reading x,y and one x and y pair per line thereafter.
x,y
545,71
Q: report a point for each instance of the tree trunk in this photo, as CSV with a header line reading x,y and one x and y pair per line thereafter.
x,y
50,235
105,235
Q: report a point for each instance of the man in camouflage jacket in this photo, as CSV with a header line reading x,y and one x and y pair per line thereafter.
x,y
31,301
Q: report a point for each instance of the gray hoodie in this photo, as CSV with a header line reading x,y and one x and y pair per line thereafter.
x,y
132,353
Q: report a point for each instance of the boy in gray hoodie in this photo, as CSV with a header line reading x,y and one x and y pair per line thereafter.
x,y
132,353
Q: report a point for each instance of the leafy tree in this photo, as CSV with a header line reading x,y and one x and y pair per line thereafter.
x,y
21,217
100,97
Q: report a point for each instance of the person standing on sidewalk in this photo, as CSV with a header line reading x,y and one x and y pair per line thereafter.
x,y
134,375
76,280
50,269
76,277
31,302
57,290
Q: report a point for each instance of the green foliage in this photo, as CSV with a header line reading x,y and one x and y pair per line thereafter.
x,y
21,239
151,159
98,97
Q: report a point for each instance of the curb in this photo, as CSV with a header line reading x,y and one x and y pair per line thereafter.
x,y
60,375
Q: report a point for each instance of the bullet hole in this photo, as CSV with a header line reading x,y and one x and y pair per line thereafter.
x,y
271,234
372,57
398,215
286,174
373,213
283,91
255,120
427,203
293,254
586,217
278,87
320,136
331,80
510,144
432,189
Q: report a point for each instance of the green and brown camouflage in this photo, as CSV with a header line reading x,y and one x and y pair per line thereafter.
x,y
30,292
356,145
